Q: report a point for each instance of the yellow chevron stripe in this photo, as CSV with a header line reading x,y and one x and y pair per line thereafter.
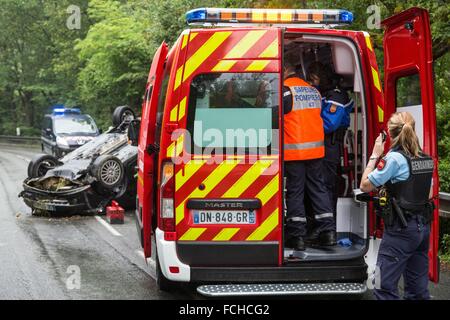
x,y
178,78
187,172
179,145
186,37
210,183
170,150
224,65
265,228
226,234
271,51
269,190
185,41
247,178
376,79
175,146
257,65
242,47
182,109
380,114
173,113
193,35
192,234
368,43
204,52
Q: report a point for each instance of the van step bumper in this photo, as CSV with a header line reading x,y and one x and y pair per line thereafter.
x,y
279,289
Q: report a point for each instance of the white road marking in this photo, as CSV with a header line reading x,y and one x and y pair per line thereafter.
x,y
140,253
23,158
150,261
107,226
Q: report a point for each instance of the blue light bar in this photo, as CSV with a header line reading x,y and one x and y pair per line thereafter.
x,y
269,16
58,110
196,15
346,16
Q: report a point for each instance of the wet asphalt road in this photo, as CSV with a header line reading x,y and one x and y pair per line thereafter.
x,y
39,255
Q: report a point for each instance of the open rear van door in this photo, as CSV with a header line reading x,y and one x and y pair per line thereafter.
x,y
147,161
408,74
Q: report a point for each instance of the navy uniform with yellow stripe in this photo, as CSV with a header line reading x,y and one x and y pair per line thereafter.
x,y
303,154
404,248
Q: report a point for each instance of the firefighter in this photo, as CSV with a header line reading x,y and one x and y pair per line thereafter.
x,y
406,175
303,153
336,109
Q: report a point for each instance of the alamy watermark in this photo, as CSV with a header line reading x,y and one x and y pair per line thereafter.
x,y
374,19
73,22
73,281
216,145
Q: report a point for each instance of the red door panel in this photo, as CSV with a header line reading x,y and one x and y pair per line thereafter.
x,y
243,177
146,161
408,55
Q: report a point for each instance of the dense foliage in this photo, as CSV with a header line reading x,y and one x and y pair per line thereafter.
x,y
104,63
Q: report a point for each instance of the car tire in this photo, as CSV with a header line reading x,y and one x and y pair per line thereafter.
x,y
121,114
162,282
108,171
40,164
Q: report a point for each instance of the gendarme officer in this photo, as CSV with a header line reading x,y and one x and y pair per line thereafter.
x,y
405,175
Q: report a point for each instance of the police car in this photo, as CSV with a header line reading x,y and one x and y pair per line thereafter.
x,y
210,157
66,129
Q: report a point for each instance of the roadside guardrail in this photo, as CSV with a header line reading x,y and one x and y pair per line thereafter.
x,y
20,140
444,204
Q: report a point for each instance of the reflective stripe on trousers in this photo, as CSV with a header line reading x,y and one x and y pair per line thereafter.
x,y
300,219
324,216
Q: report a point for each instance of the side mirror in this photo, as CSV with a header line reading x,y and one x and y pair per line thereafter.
x,y
133,132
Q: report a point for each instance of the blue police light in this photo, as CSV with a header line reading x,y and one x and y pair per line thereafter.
x,y
196,15
59,110
346,16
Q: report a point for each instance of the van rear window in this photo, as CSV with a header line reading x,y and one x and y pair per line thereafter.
x,y
233,110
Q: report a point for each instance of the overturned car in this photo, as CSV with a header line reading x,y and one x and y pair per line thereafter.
x,y
87,179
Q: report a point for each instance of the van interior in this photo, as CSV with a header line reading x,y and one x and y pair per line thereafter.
x,y
341,56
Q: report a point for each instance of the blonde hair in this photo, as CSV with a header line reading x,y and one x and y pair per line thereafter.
x,y
401,128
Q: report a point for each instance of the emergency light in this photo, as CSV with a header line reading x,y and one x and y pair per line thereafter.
x,y
62,110
217,16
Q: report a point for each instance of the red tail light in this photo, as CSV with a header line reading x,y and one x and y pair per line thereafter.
x,y
167,210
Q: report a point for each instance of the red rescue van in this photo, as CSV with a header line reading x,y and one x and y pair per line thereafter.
x,y
210,206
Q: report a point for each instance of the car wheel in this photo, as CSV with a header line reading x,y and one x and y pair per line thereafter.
x,y
121,114
162,282
40,164
109,171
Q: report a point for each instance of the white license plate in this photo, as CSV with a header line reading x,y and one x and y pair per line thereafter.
x,y
224,217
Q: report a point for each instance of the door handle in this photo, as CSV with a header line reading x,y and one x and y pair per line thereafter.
x,y
153,148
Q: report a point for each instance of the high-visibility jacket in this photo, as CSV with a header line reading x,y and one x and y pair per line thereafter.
x,y
303,126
